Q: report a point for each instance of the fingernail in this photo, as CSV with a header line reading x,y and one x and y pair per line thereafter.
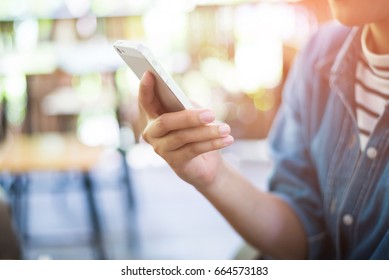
x,y
228,140
224,130
207,116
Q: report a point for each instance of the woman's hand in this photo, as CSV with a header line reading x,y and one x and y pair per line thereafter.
x,y
188,140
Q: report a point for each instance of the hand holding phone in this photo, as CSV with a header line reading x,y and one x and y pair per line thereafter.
x,y
140,59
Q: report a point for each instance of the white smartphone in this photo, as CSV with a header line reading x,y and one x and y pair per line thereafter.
x,y
140,59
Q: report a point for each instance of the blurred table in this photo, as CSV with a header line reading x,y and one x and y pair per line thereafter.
x,y
46,152
22,154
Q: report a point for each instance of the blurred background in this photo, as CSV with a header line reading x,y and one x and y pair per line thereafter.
x,y
77,180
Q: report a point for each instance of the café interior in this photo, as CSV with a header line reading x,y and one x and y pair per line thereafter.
x,y
76,179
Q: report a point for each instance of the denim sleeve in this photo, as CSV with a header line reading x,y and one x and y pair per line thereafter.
x,y
294,177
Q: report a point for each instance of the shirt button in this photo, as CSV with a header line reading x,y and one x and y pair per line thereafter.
x,y
348,220
371,152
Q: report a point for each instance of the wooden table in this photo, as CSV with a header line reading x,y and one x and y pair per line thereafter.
x,y
46,152
22,154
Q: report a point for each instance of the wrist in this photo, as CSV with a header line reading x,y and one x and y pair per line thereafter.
x,y
222,179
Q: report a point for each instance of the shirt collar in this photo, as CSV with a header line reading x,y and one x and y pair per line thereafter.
x,y
342,73
339,67
329,65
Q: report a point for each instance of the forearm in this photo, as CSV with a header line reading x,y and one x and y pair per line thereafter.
x,y
264,220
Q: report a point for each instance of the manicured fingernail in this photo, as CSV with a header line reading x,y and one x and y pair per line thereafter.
x,y
228,140
207,116
224,130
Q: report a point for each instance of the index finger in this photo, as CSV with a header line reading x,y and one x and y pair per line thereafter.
x,y
180,120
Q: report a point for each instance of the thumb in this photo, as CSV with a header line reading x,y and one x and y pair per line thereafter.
x,y
147,97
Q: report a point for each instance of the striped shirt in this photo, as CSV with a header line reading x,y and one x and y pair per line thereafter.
x,y
371,89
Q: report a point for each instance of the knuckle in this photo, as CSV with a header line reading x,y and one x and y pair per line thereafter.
x,y
147,132
162,122
181,137
145,136
194,149
158,149
190,117
215,144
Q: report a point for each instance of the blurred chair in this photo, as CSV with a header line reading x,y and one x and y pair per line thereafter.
x,y
3,119
39,86
22,154
9,244
48,98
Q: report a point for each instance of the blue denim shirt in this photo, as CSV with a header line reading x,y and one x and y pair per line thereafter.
x,y
340,193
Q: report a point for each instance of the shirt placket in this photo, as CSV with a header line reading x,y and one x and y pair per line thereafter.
x,y
364,181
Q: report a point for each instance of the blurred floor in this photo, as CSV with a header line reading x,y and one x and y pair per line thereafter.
x,y
173,221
